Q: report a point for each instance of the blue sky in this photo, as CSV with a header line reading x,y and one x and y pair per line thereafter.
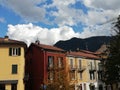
x,y
54,20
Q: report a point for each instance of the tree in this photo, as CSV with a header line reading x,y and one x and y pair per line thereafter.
x,y
112,66
60,81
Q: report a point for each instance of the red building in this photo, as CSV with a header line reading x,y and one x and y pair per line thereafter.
x,y
41,62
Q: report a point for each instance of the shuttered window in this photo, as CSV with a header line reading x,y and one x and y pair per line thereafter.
x,y
60,62
14,69
50,61
14,51
51,76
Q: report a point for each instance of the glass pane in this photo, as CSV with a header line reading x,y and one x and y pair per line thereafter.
x,y
50,61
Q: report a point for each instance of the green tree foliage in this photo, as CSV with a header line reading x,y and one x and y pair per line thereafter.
x,y
112,65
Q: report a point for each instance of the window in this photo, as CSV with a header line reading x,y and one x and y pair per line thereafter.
x,y
79,87
80,75
14,51
84,86
99,75
100,67
79,63
60,62
51,76
50,61
72,75
91,66
2,86
14,69
71,63
59,76
92,75
14,87
100,87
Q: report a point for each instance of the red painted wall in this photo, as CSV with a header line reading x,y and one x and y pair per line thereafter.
x,y
36,66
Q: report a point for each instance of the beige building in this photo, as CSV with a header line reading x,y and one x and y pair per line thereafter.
x,y
84,71
12,63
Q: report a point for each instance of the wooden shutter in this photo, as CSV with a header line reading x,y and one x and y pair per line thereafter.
x,y
10,51
14,69
19,51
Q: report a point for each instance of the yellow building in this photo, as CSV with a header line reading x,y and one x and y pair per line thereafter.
x,y
84,71
12,63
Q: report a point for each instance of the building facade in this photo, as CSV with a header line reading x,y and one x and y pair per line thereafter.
x,y
43,64
12,63
84,71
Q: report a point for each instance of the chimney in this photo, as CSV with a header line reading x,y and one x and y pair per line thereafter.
x,y
6,38
37,42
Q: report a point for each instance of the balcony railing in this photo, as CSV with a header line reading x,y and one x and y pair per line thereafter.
x,y
92,68
72,68
60,66
51,80
100,68
81,69
55,67
51,67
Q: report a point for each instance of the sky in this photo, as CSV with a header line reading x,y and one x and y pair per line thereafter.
x,y
52,20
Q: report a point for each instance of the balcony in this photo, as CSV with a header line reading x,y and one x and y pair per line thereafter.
x,y
92,68
81,69
50,67
100,68
60,67
50,80
72,68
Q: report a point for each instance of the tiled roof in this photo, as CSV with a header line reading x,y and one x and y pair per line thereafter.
x,y
86,51
6,41
48,47
83,54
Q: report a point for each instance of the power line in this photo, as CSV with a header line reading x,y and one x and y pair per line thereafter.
x,y
108,21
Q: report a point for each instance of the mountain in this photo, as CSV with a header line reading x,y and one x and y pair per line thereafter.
x,y
91,44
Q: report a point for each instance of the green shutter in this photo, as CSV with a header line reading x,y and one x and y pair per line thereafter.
x,y
10,51
14,69
19,51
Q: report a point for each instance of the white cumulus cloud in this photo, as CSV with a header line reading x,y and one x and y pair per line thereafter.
x,y
30,33
106,4
101,11
93,16
27,9
37,11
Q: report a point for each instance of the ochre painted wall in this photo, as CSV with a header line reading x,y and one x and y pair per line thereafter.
x,y
6,62
85,74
